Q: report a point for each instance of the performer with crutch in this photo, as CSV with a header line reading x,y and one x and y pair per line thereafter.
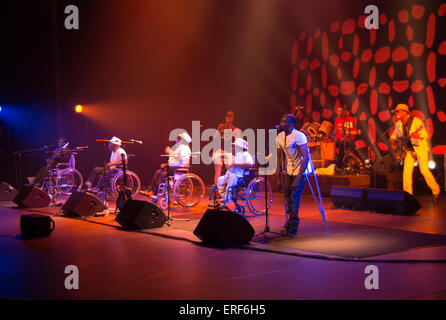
x,y
293,143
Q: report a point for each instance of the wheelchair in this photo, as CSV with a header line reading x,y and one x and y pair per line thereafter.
x,y
64,179
115,182
187,189
249,192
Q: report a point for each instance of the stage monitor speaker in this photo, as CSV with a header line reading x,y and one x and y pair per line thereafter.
x,y
31,197
137,214
36,225
392,201
81,204
349,197
224,229
7,192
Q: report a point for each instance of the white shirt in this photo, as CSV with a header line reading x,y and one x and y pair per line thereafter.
x,y
243,157
290,146
115,156
179,155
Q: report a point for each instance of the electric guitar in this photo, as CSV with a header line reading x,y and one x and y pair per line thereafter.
x,y
124,193
402,145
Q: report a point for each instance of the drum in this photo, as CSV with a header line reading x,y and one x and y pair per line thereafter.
x,y
325,129
328,150
310,129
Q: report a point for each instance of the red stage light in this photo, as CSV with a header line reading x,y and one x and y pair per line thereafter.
x,y
334,26
382,54
416,49
399,54
362,88
322,99
382,146
348,26
431,100
355,106
347,87
403,16
374,102
441,116
391,31
442,48
430,32
384,88
400,86
417,86
430,66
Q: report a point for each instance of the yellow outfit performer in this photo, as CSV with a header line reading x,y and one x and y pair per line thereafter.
x,y
413,129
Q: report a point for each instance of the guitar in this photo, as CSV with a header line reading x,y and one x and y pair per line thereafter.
x,y
124,193
402,145
50,161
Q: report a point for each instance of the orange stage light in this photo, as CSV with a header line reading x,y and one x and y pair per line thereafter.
x,y
78,108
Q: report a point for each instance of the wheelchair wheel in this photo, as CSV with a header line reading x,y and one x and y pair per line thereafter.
x,y
133,182
255,196
188,190
69,180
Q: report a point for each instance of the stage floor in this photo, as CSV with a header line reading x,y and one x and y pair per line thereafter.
x,y
170,263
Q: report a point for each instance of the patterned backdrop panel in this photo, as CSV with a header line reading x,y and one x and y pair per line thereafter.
x,y
370,71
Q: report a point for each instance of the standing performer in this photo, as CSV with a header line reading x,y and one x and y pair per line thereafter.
x,y
294,144
112,166
59,156
221,156
345,128
411,132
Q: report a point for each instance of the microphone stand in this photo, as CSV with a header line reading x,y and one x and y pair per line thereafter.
x,y
167,182
18,163
373,146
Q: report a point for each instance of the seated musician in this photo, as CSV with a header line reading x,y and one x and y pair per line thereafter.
x,y
345,133
112,167
179,156
58,157
239,163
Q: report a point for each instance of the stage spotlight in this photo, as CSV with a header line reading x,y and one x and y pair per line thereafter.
x,y
432,165
415,163
79,108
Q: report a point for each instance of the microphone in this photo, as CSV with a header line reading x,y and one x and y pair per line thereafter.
x,y
136,141
278,128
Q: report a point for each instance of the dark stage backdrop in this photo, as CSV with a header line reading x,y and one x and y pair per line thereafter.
x,y
142,68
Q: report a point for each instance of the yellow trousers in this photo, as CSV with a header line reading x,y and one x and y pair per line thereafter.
x,y
422,154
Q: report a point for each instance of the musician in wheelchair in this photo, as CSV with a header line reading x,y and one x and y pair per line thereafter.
x,y
179,157
112,167
59,158
241,161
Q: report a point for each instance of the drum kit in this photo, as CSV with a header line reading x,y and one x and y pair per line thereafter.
x,y
320,142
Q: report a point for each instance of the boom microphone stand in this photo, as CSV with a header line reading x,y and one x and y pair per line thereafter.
x,y
169,217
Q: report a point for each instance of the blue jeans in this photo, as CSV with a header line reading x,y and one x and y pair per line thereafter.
x,y
293,194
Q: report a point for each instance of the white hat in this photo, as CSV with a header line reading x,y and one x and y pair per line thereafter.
x,y
241,143
186,137
116,141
